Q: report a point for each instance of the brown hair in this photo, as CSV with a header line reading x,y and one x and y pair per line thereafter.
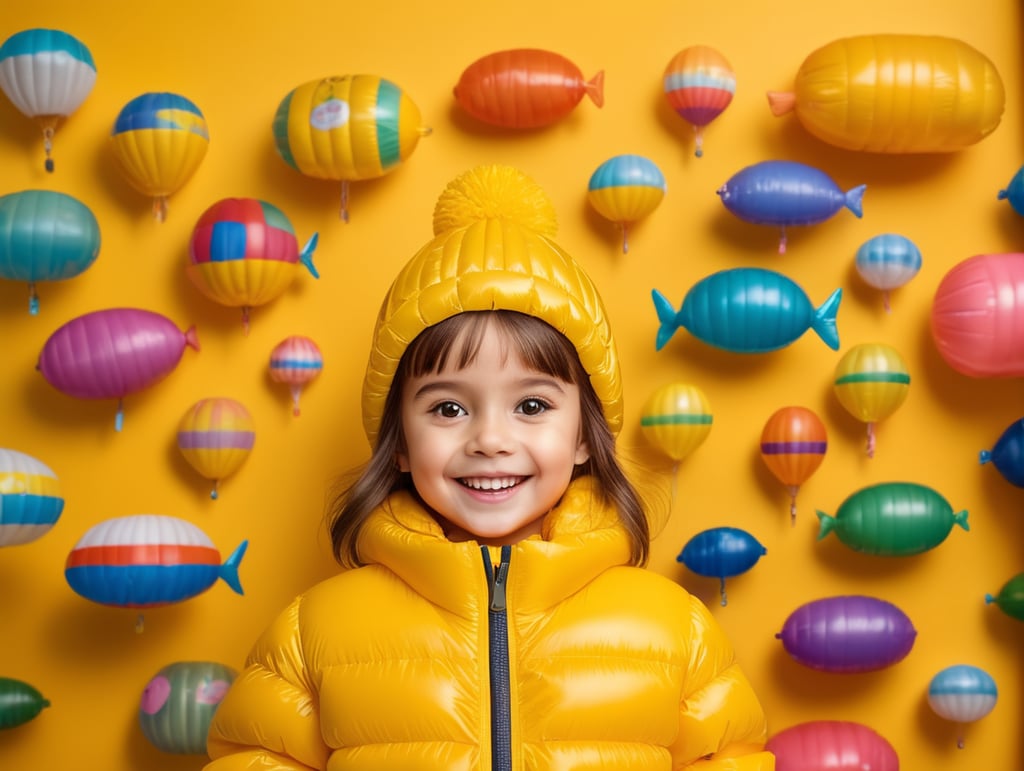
x,y
542,348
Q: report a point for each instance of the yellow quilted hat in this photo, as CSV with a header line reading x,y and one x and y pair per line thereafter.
x,y
492,250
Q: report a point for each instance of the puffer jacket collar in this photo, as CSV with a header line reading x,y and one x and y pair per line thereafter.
x,y
582,537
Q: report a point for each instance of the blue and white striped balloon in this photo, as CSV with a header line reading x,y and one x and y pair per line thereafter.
x,y
962,693
887,262
30,499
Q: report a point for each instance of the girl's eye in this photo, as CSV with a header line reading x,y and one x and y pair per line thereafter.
x,y
449,410
533,406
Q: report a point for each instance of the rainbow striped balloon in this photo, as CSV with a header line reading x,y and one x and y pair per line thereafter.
x,y
216,436
699,84
296,361
30,499
147,560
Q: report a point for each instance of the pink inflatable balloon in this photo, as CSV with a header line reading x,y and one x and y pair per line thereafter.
x,y
111,353
978,316
836,745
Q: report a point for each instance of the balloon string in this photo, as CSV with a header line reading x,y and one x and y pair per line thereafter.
x,y
119,417
675,485
699,148
296,391
160,208
782,240
48,146
245,319
33,299
625,238
871,440
344,200
960,737
721,590
213,490
140,624
885,301
793,489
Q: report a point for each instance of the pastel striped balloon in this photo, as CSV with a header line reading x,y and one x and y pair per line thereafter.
x,y
216,436
962,693
625,189
887,262
147,560
295,361
699,84
30,498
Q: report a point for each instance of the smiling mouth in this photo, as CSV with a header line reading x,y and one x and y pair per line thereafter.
x,y
490,483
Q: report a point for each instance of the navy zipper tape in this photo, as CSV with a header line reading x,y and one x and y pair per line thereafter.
x,y
497,630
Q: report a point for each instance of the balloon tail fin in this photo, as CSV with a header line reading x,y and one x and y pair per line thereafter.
x,y
160,208
33,299
595,88
854,199
871,440
344,200
119,417
229,570
306,257
824,322
667,318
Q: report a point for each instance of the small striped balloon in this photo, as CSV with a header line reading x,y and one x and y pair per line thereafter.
x,y
216,436
962,693
793,445
296,361
871,382
625,189
30,498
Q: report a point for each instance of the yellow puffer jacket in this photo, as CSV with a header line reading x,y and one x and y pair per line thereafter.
x,y
387,667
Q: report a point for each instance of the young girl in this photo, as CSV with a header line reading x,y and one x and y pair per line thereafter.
x,y
495,614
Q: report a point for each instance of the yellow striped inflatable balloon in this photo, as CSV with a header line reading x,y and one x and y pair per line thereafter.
x,y
896,93
347,128
216,436
676,419
871,382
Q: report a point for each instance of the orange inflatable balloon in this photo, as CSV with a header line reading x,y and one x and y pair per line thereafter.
x,y
793,445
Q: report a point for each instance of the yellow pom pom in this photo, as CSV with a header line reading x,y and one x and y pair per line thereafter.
x,y
494,192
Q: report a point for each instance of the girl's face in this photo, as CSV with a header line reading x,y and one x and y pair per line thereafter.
x,y
491,447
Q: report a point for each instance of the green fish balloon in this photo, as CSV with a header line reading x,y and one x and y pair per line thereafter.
x,y
19,702
893,519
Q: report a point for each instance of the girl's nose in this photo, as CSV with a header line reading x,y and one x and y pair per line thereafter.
x,y
491,434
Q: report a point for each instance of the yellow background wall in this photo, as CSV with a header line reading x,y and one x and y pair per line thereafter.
x,y
236,62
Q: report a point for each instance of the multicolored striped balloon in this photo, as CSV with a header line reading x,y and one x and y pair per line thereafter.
x,y
47,74
347,128
108,354
676,419
887,262
871,382
962,693
147,560
30,498
296,361
625,189
159,140
793,445
216,436
699,84
244,252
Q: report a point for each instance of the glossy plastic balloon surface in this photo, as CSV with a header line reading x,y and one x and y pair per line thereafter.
x,y
159,140
793,445
147,560
871,381
787,193
977,318
1014,192
1007,455
216,436
747,310
893,519
832,745
296,361
848,634
30,498
47,74
179,702
677,419
625,189
1010,598
699,84
896,93
721,552
45,236
962,693
19,702
524,88
888,261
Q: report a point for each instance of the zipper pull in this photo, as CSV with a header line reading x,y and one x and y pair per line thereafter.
x,y
500,580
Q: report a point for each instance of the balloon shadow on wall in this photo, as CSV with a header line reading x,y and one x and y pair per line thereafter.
x,y
832,693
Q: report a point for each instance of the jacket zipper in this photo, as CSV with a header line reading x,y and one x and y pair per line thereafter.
x,y
497,635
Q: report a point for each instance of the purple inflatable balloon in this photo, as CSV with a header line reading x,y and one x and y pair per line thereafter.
x,y
111,353
848,633
784,193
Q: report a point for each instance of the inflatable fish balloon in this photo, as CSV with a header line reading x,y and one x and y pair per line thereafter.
x,y
159,140
721,552
625,189
109,354
178,704
1007,455
887,262
216,436
347,128
871,382
1010,598
243,252
975,322
962,694
19,702
747,310
896,93
45,236
699,84
524,88
30,498
793,445
296,361
893,519
47,74
836,745
1014,192
785,193
848,634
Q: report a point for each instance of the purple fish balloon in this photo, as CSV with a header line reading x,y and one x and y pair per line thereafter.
x,y
111,353
847,633
784,193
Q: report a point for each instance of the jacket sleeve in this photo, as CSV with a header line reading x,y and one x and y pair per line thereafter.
x,y
722,725
270,716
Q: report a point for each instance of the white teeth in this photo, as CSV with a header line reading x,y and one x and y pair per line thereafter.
x,y
490,483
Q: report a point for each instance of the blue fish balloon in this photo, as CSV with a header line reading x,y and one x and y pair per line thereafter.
x,y
748,310
784,193
721,552
1007,455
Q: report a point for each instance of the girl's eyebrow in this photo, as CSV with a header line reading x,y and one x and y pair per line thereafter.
x,y
451,385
